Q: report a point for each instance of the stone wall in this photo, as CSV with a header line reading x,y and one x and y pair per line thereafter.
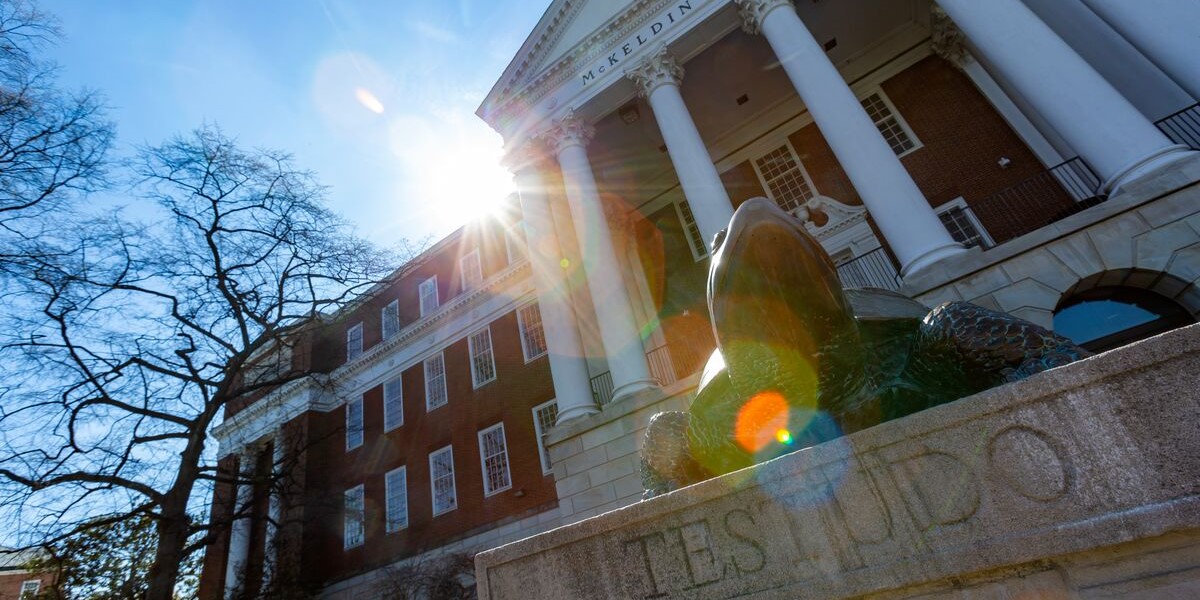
x,y
596,459
1080,482
1147,236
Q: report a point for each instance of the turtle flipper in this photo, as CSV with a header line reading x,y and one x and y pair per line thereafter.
x,y
963,348
667,463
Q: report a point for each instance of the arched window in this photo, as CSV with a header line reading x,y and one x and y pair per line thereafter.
x,y
1104,318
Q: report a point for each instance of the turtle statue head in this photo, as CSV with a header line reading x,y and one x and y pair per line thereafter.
x,y
800,360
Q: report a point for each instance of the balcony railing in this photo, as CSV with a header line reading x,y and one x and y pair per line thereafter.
x,y
1183,127
602,388
873,269
667,366
1049,196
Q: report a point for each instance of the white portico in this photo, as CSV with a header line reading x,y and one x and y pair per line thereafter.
x,y
641,104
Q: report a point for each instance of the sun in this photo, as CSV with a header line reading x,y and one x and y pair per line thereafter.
x,y
453,169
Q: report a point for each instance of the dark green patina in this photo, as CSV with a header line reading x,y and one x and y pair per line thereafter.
x,y
842,360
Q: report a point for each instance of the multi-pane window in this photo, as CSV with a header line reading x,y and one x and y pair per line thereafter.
x,y
435,382
471,270
354,342
396,492
493,456
428,291
390,319
544,417
515,244
962,224
483,363
354,529
533,336
393,403
441,480
354,423
887,120
784,178
691,230
30,589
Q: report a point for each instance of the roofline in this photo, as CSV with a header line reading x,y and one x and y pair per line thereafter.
x,y
541,26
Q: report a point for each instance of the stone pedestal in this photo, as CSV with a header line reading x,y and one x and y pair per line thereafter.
x,y
1080,482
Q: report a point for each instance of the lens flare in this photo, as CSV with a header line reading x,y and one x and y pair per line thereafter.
x,y
759,419
368,100
564,263
784,437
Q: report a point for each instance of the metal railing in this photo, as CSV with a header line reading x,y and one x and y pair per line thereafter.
x,y
667,365
1183,127
873,269
602,388
1049,196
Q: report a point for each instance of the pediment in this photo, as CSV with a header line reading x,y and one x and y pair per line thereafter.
x,y
566,29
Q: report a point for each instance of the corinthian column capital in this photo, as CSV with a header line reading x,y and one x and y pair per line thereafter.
x,y
566,132
657,69
755,11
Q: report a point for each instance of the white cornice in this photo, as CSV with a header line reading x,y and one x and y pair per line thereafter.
x,y
498,108
319,392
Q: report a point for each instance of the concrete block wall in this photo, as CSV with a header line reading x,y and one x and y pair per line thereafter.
x,y
596,463
1146,236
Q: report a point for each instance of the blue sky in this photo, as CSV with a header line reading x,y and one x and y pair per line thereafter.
x,y
377,96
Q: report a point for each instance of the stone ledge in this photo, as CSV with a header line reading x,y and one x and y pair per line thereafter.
x,y
1167,180
1101,453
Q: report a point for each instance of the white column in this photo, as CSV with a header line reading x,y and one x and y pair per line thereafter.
x,y
568,367
279,483
1166,31
907,221
618,328
1109,132
1011,113
239,529
658,78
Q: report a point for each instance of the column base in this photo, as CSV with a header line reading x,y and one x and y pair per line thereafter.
x,y
634,388
931,258
576,412
1144,166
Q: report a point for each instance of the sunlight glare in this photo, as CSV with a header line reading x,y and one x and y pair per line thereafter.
x,y
368,100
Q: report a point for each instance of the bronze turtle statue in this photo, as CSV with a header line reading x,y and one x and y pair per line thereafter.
x,y
800,360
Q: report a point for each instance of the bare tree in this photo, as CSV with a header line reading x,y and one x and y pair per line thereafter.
x,y
125,349
52,143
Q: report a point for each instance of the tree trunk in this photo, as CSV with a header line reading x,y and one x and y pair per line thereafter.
x,y
174,524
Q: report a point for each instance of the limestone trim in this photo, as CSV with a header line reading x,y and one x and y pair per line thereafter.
x,y
754,12
568,131
656,70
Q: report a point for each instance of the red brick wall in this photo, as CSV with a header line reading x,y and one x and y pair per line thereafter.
x,y
212,574
10,583
509,399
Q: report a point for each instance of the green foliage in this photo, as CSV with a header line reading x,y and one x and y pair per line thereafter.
x,y
110,561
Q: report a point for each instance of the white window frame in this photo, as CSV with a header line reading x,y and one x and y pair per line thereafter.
x,y
483,458
445,396
523,329
490,357
766,186
516,246
433,479
540,431
428,289
354,442
691,229
961,203
355,495
26,588
900,120
354,342
394,521
393,404
389,314
471,279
